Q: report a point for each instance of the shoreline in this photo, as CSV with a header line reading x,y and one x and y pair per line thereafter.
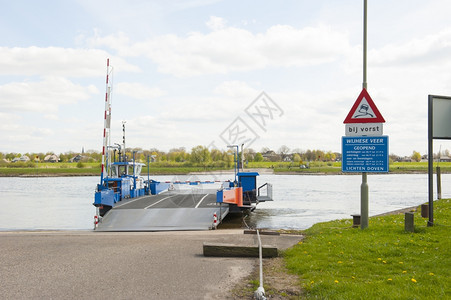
x,y
224,172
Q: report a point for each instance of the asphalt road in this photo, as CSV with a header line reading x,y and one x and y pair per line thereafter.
x,y
146,265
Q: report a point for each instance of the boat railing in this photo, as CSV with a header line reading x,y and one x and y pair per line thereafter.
x,y
264,192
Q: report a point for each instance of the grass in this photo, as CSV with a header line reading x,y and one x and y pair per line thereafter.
x,y
74,169
336,261
90,169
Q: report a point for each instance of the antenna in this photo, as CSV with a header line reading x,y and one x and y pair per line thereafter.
x,y
123,139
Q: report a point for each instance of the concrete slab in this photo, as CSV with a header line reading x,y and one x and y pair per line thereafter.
x,y
121,265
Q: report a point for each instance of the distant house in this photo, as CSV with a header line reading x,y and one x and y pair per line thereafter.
x,y
405,159
270,155
80,158
76,158
445,159
51,158
23,158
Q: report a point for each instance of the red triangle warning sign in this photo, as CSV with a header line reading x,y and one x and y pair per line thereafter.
x,y
364,111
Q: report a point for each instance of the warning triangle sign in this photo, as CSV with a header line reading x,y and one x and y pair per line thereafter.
x,y
364,111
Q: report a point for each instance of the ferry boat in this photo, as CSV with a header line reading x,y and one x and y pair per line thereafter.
x,y
127,201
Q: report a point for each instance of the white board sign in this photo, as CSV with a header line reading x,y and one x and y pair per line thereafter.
x,y
364,129
441,117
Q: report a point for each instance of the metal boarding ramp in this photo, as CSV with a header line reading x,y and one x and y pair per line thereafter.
x,y
165,212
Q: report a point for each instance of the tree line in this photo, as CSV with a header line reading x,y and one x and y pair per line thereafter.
x,y
202,155
198,155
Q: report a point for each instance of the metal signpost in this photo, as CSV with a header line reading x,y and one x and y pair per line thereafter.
x,y
439,127
364,148
367,150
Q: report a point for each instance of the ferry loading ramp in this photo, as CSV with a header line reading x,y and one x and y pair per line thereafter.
x,y
165,212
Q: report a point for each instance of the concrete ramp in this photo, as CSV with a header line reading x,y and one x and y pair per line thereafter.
x,y
161,219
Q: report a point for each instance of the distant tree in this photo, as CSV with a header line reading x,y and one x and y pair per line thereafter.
x,y
216,155
283,152
330,156
393,157
296,157
416,156
11,156
249,154
320,155
309,155
264,150
200,154
258,157
177,154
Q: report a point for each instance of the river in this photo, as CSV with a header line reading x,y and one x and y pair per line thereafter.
x,y
65,203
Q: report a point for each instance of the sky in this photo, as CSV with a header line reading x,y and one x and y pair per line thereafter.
x,y
217,73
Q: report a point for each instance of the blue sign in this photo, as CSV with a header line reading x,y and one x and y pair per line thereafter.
x,y
364,154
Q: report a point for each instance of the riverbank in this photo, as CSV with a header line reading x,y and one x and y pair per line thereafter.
x,y
337,261
280,168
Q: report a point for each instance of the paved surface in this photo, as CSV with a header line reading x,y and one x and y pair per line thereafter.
x,y
164,212
147,265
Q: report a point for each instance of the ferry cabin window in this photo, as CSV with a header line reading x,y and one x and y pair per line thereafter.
x,y
114,171
119,171
138,169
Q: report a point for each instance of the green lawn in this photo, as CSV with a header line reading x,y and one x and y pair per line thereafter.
x,y
336,261
68,169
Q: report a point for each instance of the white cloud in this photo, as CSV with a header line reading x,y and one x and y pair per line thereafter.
x,y
138,91
236,89
228,49
431,50
216,23
56,61
43,96
53,117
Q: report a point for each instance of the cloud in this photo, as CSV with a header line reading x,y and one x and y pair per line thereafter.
x,y
236,89
230,49
57,61
216,23
138,91
434,48
43,96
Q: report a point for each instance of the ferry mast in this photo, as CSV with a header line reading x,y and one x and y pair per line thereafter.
x,y
107,118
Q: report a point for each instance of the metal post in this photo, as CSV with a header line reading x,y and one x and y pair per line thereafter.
x,y
242,157
364,43
123,140
134,175
364,202
148,174
430,163
235,166
439,182
107,119
236,160
364,186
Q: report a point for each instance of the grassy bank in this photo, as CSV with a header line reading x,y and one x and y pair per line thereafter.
x,y
336,261
165,168
335,168
92,169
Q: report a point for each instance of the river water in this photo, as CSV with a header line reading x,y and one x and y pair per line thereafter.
x,y
65,203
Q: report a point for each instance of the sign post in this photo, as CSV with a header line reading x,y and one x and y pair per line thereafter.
x,y
364,148
439,127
